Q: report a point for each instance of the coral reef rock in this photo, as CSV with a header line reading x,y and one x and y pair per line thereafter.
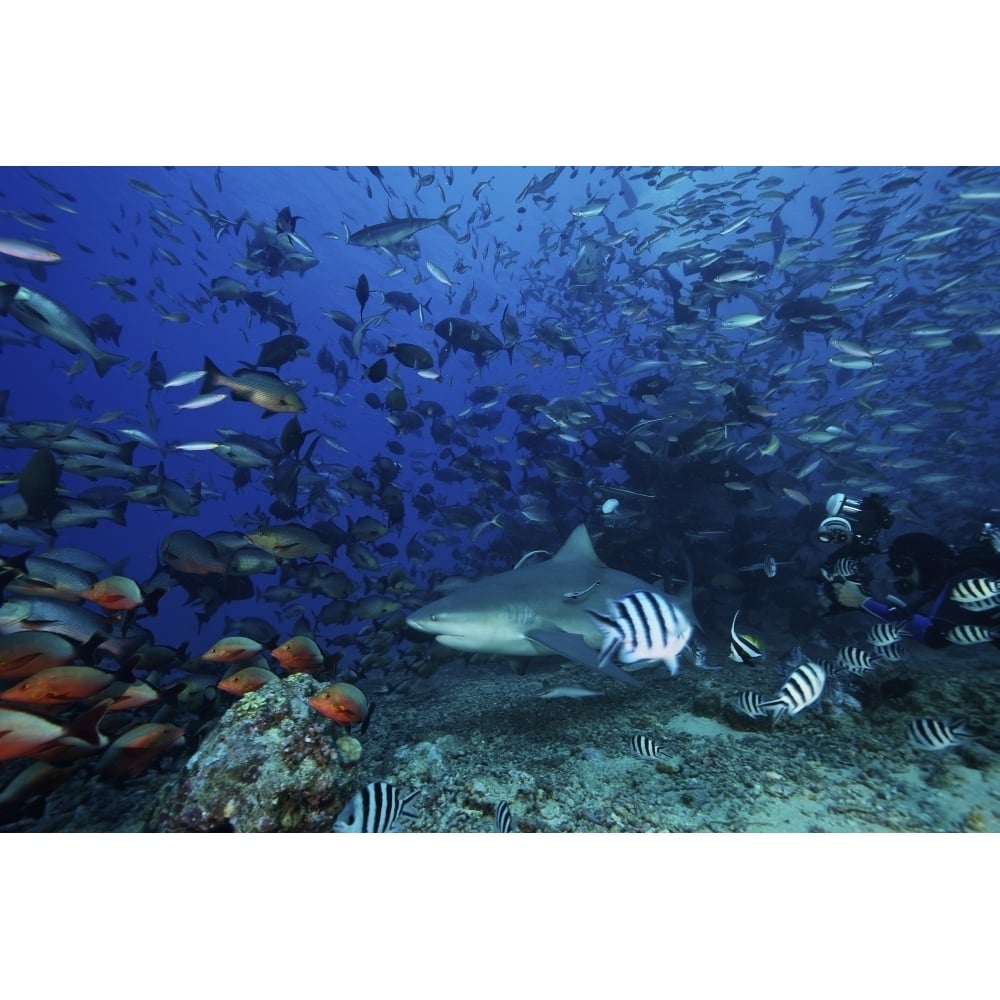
x,y
271,764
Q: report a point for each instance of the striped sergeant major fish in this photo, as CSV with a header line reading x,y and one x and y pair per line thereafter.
x,y
642,625
970,635
749,703
842,570
743,648
980,594
503,822
646,749
937,734
892,653
802,689
855,660
887,634
377,808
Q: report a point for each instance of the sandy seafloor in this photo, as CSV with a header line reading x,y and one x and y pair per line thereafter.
x,y
477,732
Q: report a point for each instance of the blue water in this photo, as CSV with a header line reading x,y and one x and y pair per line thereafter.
x,y
920,250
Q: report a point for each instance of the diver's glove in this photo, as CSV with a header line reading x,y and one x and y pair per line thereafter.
x,y
849,594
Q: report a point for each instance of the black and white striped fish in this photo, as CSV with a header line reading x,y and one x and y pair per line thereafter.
x,y
891,654
503,822
743,648
843,569
855,660
647,749
376,808
803,687
969,635
979,594
937,734
749,703
887,633
642,625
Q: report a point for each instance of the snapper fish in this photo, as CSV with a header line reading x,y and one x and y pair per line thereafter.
x,y
642,626
344,703
263,389
379,807
232,649
244,681
300,654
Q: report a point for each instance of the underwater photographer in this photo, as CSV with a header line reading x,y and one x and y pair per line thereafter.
x,y
952,597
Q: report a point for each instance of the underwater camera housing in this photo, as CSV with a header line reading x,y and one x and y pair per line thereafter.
x,y
855,521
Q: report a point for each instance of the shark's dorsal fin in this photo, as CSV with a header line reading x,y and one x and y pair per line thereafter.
x,y
578,547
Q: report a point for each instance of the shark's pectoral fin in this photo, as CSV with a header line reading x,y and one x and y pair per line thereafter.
x,y
572,645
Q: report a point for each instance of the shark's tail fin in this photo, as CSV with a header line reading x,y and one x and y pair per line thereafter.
x,y
443,220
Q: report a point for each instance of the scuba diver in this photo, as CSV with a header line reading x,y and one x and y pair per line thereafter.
x,y
855,526
957,594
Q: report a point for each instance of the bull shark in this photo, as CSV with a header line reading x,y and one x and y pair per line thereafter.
x,y
535,610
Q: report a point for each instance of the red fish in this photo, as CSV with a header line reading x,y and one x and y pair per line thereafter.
x,y
59,685
344,703
24,734
25,653
300,654
232,649
132,752
246,680
134,695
